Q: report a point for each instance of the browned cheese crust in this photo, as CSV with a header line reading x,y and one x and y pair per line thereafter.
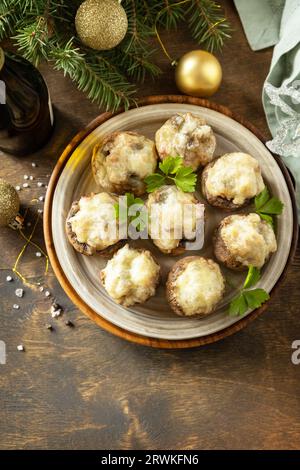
x,y
84,248
221,251
218,201
133,182
175,272
180,249
140,250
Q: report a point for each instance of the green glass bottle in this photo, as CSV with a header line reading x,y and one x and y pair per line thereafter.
x,y
26,117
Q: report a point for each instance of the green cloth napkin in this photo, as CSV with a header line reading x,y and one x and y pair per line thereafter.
x,y
261,21
281,90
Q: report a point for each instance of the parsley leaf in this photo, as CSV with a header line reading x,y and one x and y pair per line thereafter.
x,y
267,218
173,170
170,165
267,206
252,278
120,215
256,297
126,215
154,181
261,198
185,179
248,299
137,217
273,206
238,305
130,199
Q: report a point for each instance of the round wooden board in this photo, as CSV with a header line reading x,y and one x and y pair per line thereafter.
x,y
154,342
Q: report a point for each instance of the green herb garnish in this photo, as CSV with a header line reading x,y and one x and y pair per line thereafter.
x,y
172,169
267,206
246,298
124,214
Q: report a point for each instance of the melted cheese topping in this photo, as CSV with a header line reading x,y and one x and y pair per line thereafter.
x,y
189,136
249,239
131,158
199,287
173,215
95,222
130,276
236,177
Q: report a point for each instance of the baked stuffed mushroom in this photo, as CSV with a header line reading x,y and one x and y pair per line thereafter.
x,y
91,225
195,285
231,181
188,136
131,276
175,218
122,161
244,240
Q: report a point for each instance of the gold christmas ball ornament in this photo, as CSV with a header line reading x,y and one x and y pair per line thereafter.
x,y
101,24
9,203
198,73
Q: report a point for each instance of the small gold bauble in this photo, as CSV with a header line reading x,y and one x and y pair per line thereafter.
x,y
9,203
101,24
198,73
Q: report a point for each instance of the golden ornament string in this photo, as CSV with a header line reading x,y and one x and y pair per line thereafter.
x,y
39,248
173,61
28,240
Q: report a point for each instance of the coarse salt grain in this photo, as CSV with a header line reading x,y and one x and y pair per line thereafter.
x,y
9,278
56,310
38,254
16,306
25,185
20,347
18,188
25,177
19,292
56,313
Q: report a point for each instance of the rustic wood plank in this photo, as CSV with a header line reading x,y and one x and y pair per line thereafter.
x,y
84,388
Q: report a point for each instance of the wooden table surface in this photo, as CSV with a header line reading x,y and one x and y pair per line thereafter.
x,y
76,388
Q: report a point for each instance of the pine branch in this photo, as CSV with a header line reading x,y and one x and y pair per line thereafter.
x,y
32,40
93,76
149,12
207,24
30,6
134,53
138,30
170,14
136,62
10,12
64,11
45,30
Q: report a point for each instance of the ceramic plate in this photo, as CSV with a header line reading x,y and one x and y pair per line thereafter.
x,y
154,318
